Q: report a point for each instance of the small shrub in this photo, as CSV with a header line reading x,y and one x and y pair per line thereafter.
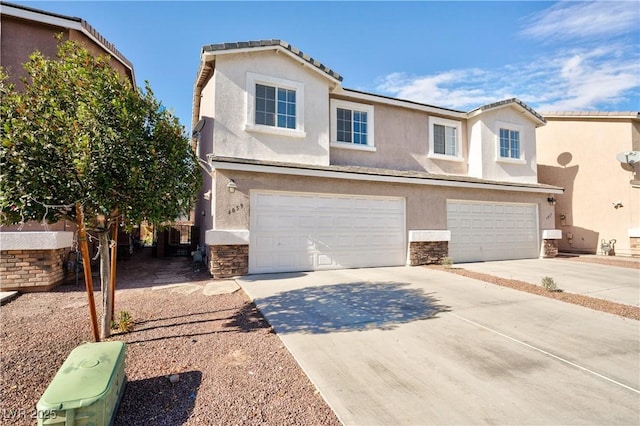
x,y
549,284
446,262
124,323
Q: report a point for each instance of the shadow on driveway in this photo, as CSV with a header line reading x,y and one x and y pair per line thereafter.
x,y
348,307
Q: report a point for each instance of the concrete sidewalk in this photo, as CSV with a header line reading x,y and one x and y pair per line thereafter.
x,y
616,284
412,346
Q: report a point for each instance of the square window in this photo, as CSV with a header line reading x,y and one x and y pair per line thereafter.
x,y
351,126
509,143
272,102
445,139
274,106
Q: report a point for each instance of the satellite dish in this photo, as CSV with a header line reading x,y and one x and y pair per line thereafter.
x,y
628,157
198,127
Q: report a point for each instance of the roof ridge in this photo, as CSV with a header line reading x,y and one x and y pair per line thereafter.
x,y
277,43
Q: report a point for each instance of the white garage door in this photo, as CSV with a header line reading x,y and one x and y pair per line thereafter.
x,y
305,232
483,231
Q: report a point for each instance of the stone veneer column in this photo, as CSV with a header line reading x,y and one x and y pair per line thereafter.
x,y
228,252
550,239
427,247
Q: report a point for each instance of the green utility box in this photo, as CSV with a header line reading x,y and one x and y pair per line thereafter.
x,y
88,387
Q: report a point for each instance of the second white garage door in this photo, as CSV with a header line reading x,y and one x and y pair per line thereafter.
x,y
482,231
306,232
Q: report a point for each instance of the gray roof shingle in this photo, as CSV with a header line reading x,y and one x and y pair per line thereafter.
x,y
275,43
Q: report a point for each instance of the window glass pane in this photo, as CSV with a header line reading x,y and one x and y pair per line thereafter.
x,y
343,125
286,108
515,144
450,141
360,127
504,143
265,105
438,139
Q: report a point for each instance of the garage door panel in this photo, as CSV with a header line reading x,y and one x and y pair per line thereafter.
x,y
482,231
324,232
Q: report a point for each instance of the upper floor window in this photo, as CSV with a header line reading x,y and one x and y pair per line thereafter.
x,y
445,139
275,105
509,143
352,125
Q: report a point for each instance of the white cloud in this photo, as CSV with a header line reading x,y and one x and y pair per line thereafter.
x,y
452,89
583,20
578,79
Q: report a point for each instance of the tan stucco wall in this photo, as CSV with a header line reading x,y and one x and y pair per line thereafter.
x,y
579,154
425,205
401,142
230,110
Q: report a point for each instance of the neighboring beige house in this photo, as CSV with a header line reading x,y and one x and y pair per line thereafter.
x,y
309,175
582,152
32,255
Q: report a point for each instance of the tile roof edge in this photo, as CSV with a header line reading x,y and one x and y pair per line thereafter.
x,y
275,43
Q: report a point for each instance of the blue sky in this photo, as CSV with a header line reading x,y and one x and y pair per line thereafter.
x,y
554,56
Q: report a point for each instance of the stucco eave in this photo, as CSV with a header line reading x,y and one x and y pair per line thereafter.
x,y
375,175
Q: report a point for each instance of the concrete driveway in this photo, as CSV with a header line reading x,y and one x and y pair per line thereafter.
x,y
411,346
617,284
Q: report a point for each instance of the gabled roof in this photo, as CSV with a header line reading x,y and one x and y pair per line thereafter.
x,y
513,102
71,22
274,44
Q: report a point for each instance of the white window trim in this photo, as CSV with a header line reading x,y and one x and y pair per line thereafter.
x,y
449,123
251,126
510,126
338,103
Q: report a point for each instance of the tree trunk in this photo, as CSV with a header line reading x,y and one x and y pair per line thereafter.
x,y
105,272
86,266
112,281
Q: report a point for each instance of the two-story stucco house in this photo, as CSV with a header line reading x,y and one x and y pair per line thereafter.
x,y
304,174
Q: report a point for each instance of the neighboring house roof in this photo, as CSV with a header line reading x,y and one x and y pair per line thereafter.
x,y
374,174
513,102
71,22
634,115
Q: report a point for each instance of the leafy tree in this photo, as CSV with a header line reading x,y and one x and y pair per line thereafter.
x,y
79,142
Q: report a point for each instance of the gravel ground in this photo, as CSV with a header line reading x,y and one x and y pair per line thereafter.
x,y
632,312
233,370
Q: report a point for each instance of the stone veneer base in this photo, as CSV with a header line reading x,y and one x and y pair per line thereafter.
x,y
228,260
427,252
549,248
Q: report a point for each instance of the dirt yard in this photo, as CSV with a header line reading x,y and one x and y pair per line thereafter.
x,y
232,369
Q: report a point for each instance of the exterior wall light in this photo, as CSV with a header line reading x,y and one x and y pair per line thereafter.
x,y
231,186
552,201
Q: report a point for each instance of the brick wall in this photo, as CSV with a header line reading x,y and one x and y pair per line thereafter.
x,y
31,270
427,252
228,260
